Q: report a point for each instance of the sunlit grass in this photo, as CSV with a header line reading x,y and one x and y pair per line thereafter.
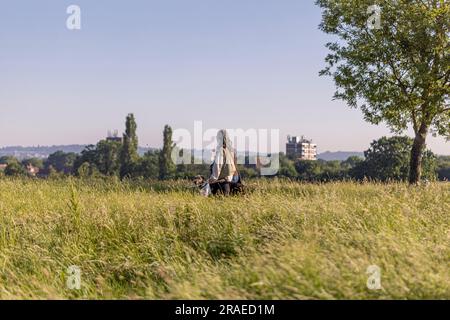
x,y
283,240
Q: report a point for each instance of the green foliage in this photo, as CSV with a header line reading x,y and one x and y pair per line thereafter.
x,y
15,169
114,158
247,172
129,154
401,70
429,166
351,162
107,157
321,170
101,159
287,167
166,166
386,159
149,165
88,170
7,159
35,162
60,161
399,73
83,170
88,156
308,170
443,168
389,159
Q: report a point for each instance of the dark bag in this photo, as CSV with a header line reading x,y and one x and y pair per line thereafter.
x,y
236,188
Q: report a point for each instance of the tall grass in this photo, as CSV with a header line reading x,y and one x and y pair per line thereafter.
x,y
284,240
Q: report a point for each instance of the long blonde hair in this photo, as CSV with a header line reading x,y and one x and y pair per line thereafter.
x,y
224,158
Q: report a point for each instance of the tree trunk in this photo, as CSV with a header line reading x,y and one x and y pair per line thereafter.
x,y
415,166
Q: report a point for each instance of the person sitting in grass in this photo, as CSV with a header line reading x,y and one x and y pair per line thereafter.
x,y
223,169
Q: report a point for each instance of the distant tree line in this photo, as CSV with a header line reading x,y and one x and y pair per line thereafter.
x,y
109,157
387,159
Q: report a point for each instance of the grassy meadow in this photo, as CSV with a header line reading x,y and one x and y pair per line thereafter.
x,y
283,240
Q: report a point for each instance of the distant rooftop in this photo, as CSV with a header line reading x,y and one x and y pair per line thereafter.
x,y
297,139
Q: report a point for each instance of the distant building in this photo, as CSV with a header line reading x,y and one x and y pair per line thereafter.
x,y
301,148
3,167
113,136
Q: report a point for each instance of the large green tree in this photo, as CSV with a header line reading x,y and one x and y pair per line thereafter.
x,y
129,155
392,61
388,159
7,159
149,165
15,169
287,167
87,159
35,162
166,166
107,157
60,161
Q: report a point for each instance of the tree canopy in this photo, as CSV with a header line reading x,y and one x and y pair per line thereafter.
x,y
389,158
397,70
129,154
166,165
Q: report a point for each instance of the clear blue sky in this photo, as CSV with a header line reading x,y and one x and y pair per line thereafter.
x,y
231,63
